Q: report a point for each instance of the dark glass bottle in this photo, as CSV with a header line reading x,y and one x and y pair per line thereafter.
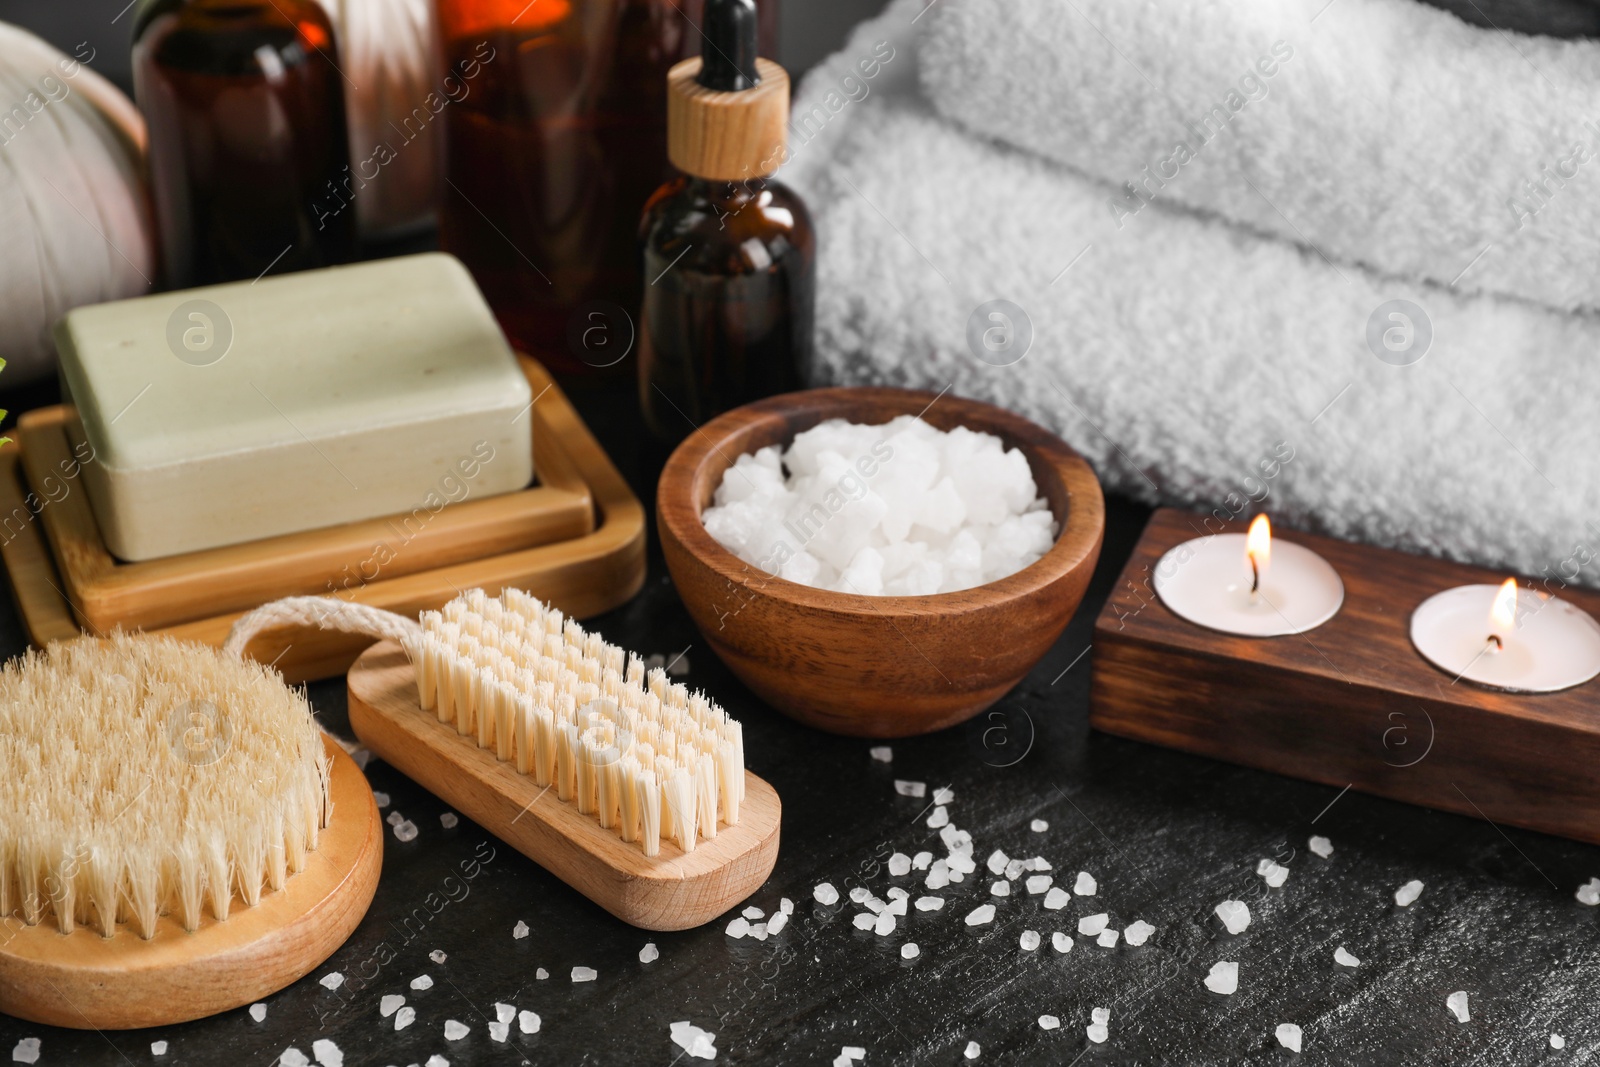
x,y
248,152
728,309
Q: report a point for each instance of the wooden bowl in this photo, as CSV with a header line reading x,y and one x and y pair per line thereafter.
x,y
875,666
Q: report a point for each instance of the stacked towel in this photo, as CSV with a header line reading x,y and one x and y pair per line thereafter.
x,y
1191,360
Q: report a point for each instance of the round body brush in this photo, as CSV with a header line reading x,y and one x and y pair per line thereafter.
x,y
177,838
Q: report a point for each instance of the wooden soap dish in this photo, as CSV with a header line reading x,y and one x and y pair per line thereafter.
x,y
1350,703
576,539
673,890
84,981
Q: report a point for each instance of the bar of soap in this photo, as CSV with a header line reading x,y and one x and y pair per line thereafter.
x,y
253,409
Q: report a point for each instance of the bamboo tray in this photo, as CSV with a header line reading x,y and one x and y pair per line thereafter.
x,y
576,540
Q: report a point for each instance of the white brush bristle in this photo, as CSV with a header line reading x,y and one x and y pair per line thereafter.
x,y
644,757
144,776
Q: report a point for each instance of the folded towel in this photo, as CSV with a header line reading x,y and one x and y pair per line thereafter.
x,y
1381,132
1189,360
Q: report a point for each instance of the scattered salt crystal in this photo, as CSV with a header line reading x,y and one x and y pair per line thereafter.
x,y
499,1031
380,798
1048,1022
390,1004
758,931
649,954
1288,1034
1000,889
541,974
437,1060
944,795
961,862
1235,915
1097,1032
1038,863
860,894
158,1048
865,921
258,1011
738,927
1060,942
327,1053
437,956
873,904
1343,958
974,1050
896,893
899,865
422,981
775,925
1100,1015
1030,940
885,925
520,930
911,789
921,860
290,1057
1056,899
752,913
584,974
825,894
405,830
983,913
1407,894
854,1052
1085,885
1224,977
997,861
1457,1003
1589,892
1014,869
455,1031
449,820
394,818
1138,932
786,906
504,1013
910,951
1037,883
930,903
1091,925
331,980
1274,872
693,1040
1557,1041
1038,826
1324,848
528,1022
897,906
1108,938
881,753
938,877
404,1017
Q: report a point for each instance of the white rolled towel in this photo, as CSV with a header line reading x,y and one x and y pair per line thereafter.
x,y
1180,353
1381,132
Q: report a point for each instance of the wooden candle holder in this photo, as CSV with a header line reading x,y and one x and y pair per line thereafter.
x,y
1350,703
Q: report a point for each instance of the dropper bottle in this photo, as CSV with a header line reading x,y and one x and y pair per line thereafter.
x,y
729,254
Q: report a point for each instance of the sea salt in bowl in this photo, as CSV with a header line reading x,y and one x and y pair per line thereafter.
x,y
875,666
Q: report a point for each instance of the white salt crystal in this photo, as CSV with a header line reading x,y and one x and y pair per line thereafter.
x,y
911,789
944,795
1224,977
1108,938
775,925
854,1052
974,1050
983,913
841,1060
1085,885
1235,915
693,1040
930,903
1038,826
405,830
405,1017
910,951
896,893
1100,1015
1014,869
520,930
860,894
1097,1032
960,862
897,906
158,1048
455,1031
1029,940
504,1013
786,906
1407,894
1091,925
1038,863
1138,932
881,753
584,974
390,1004
258,1011
1343,958
873,904
421,982
437,1060
752,913
997,861
738,927
327,1053
437,956
1000,889
649,954
1273,871
1589,892
1457,1003
1037,884
528,1022
394,818
885,925
1048,1022
825,894
380,798
1288,1035
290,1057
1060,942
499,1031
758,931
541,974
331,980
921,860
1557,1041
449,820
1322,847
1056,899
865,920
937,878
899,865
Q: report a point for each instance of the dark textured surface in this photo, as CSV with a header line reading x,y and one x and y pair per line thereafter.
x,y
1167,836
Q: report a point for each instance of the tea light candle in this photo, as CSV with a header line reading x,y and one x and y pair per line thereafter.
x,y
1535,643
1248,585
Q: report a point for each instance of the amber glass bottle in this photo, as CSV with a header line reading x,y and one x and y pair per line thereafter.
x,y
248,153
551,153
729,255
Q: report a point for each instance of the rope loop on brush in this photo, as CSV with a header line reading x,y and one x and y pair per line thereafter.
x,y
323,613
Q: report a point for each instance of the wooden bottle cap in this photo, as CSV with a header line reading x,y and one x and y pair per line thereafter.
x,y
727,136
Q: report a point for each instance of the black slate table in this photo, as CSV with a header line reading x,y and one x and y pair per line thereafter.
x,y
1166,836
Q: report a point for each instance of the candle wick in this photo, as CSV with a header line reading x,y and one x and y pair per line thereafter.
x,y
1255,576
1494,643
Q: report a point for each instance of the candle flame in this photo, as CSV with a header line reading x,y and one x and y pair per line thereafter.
x,y
1258,542
1503,616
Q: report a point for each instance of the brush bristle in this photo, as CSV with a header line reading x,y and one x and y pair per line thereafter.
x,y
644,757
144,776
